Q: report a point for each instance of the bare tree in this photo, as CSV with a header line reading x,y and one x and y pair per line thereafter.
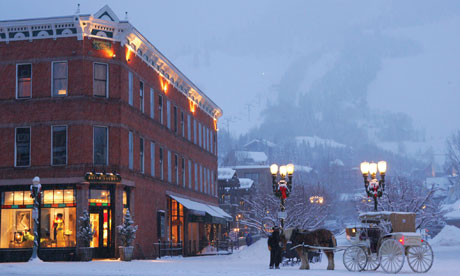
x,y
452,164
404,195
261,210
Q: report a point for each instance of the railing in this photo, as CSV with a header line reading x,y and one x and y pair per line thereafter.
x,y
215,247
168,249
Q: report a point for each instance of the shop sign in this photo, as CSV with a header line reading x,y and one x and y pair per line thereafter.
x,y
101,45
102,177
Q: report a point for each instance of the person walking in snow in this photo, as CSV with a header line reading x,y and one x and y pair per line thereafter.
x,y
275,248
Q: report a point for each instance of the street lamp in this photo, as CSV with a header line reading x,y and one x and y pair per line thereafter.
x,y
374,188
282,187
35,190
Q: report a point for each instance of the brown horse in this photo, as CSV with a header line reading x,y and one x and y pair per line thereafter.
x,y
319,237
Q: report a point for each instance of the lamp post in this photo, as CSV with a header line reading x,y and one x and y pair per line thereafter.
x,y
374,188
35,190
282,187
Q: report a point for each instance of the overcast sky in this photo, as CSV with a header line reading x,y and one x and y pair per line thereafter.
x,y
238,52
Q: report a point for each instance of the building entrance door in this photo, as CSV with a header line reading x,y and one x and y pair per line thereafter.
x,y
101,221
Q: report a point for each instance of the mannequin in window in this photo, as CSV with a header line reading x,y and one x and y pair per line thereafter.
x,y
58,226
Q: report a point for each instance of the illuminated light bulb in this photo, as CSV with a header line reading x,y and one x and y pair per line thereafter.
x,y
382,165
274,169
283,170
365,168
373,168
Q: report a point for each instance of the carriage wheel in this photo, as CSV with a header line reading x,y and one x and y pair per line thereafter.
x,y
420,258
354,258
391,254
373,261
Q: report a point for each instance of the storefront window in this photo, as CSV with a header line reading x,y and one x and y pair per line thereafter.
x,y
99,197
57,227
176,222
16,223
58,218
125,202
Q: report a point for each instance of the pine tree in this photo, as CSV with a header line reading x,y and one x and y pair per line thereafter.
x,y
127,230
85,230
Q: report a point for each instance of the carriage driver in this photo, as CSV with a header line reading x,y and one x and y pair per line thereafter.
x,y
275,248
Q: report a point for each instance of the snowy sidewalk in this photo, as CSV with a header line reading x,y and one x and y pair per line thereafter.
x,y
251,261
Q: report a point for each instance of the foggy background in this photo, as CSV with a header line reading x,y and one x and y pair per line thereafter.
x,y
379,72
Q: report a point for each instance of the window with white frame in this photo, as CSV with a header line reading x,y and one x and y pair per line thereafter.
x,y
175,118
101,77
160,108
23,81
131,151
168,114
22,147
100,144
169,167
194,132
59,145
189,129
161,164
130,88
152,103
141,154
183,171
196,177
199,135
201,178
182,125
152,158
176,169
141,96
59,78
189,174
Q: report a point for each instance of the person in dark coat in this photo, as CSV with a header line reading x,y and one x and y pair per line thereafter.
x,y
275,248
248,239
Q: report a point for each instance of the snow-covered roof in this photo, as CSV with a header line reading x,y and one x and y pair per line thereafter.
x,y
253,156
261,141
251,167
350,196
438,182
225,173
337,162
300,168
453,210
246,183
314,141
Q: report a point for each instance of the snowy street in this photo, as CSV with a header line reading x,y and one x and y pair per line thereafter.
x,y
248,261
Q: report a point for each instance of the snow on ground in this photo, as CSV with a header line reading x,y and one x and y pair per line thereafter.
x,y
449,236
249,261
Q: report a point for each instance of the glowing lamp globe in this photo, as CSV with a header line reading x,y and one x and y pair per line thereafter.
x,y
382,165
290,169
365,168
274,169
373,168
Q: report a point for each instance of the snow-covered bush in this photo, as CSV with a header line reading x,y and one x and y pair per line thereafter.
x,y
127,230
85,231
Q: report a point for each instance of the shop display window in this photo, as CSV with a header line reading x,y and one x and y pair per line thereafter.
x,y
16,199
176,222
58,198
17,228
99,197
58,227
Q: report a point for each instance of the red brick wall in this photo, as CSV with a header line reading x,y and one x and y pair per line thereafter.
x,y
80,111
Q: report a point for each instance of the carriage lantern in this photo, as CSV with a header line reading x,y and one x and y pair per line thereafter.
x,y
282,187
374,188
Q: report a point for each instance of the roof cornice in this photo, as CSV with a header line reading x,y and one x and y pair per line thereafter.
x,y
81,26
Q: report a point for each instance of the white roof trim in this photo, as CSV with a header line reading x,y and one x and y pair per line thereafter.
x,y
120,31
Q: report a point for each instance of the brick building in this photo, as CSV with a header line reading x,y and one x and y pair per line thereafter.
x,y
108,123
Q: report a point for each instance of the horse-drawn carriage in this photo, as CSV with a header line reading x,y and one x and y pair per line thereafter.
x,y
384,239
